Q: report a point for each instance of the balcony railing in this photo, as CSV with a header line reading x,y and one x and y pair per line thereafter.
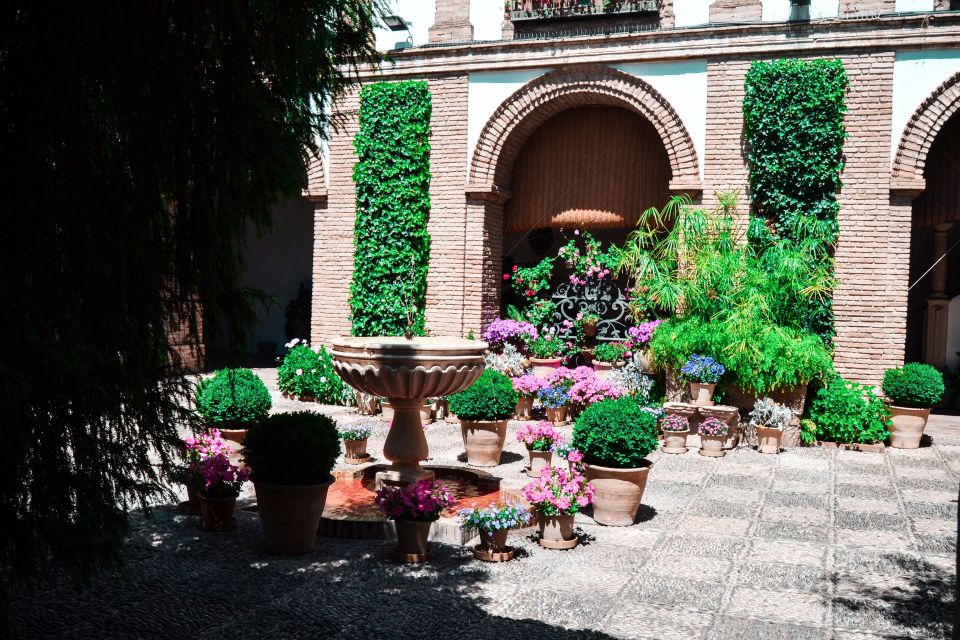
x,y
521,10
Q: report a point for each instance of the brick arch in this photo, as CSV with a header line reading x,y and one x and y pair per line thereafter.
x,y
906,175
519,116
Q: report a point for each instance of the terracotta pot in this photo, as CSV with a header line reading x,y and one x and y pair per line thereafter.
x,y
603,369
192,504
556,532
557,416
235,435
524,410
543,367
615,502
635,475
907,427
412,543
366,404
768,440
426,413
712,446
386,412
355,449
574,409
483,441
495,541
675,441
217,513
590,330
733,435
701,394
291,515
587,356
538,461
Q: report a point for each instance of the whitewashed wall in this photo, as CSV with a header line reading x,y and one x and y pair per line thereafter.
x,y
914,5
486,92
916,74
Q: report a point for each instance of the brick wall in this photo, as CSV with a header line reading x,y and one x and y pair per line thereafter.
x,y
866,7
452,22
735,10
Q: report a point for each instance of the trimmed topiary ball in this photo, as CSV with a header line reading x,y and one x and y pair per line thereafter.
x,y
914,385
292,448
491,397
615,433
232,399
308,372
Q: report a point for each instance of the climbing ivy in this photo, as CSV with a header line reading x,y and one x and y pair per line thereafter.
x,y
793,122
392,177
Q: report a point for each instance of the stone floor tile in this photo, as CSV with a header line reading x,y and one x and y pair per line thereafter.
x,y
778,606
874,467
883,561
637,537
931,543
876,505
657,623
871,538
567,609
688,567
923,495
807,476
727,526
708,546
723,508
781,577
893,619
793,513
732,494
935,526
787,552
855,490
797,486
869,520
675,592
858,457
943,510
805,463
793,531
793,499
687,477
924,478
596,579
739,629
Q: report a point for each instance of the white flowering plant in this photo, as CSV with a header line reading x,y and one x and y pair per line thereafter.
x,y
510,362
632,378
308,372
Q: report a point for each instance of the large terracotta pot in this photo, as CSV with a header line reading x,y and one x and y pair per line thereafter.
x,y
702,394
712,446
539,460
524,410
556,532
795,398
543,367
675,441
483,441
355,450
494,541
412,543
291,515
644,360
907,427
557,416
768,440
235,435
615,502
217,513
634,475
603,369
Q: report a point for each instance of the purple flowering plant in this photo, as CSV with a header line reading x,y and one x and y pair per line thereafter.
x,y
517,333
209,468
674,422
558,492
641,334
713,427
421,501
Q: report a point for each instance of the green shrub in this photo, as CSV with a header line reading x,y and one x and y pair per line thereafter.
x,y
292,448
609,352
847,412
232,398
615,433
914,385
305,372
546,347
491,397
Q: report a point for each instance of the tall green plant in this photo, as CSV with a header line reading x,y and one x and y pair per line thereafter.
x,y
392,177
793,114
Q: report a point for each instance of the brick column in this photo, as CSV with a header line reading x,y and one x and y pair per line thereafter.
x,y
452,22
484,257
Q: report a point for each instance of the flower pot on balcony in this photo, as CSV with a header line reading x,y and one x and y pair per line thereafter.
x,y
675,441
615,502
768,440
701,394
712,446
556,532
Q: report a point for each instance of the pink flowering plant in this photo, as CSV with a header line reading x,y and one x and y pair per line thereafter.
x,y
539,437
209,467
528,385
592,262
529,281
558,492
713,427
421,501
495,517
674,422
641,334
589,389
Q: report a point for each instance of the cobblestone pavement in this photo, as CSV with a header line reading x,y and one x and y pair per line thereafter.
x,y
810,544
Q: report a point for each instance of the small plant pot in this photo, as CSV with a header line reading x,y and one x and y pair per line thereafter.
x,y
386,412
355,451
768,440
712,446
366,404
493,546
543,367
615,502
191,506
733,436
643,360
412,546
603,369
590,330
291,515
426,413
234,435
701,394
217,514
556,532
557,416
539,460
524,410
483,441
907,426
675,441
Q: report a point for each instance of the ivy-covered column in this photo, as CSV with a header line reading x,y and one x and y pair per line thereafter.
x,y
392,178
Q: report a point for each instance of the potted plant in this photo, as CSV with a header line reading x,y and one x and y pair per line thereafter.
x,y
231,401
573,457
517,333
702,373
768,419
307,374
354,436
608,355
588,323
539,439
713,434
557,496
545,354
526,387
195,449
554,400
386,410
426,411
483,409
615,437
413,508
847,412
219,482
912,390
675,429
290,456
494,523
638,339
588,388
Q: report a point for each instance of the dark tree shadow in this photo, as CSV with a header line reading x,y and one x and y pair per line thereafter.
x,y
506,457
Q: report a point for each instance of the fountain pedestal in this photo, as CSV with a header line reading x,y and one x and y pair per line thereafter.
x,y
406,372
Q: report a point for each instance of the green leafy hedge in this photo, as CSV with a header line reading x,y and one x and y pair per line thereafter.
x,y
392,177
232,398
793,122
846,412
615,433
491,397
914,385
305,372
292,448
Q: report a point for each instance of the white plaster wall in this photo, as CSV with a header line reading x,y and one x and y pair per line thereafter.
x,y
914,5
916,74
690,13
487,19
953,334
419,15
485,93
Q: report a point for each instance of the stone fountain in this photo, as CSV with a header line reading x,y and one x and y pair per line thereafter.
x,y
407,371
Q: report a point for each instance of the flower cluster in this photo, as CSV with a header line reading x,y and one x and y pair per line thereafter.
x,y
632,378
519,334
529,281
206,445
591,263
703,369
674,422
769,414
528,385
564,377
539,437
656,412
553,397
713,427
640,335
558,493
568,452
422,501
357,430
509,362
209,466
495,517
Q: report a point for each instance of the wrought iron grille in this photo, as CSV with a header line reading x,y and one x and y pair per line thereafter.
x,y
605,298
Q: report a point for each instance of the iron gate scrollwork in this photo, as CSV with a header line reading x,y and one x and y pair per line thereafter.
x,y
605,298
